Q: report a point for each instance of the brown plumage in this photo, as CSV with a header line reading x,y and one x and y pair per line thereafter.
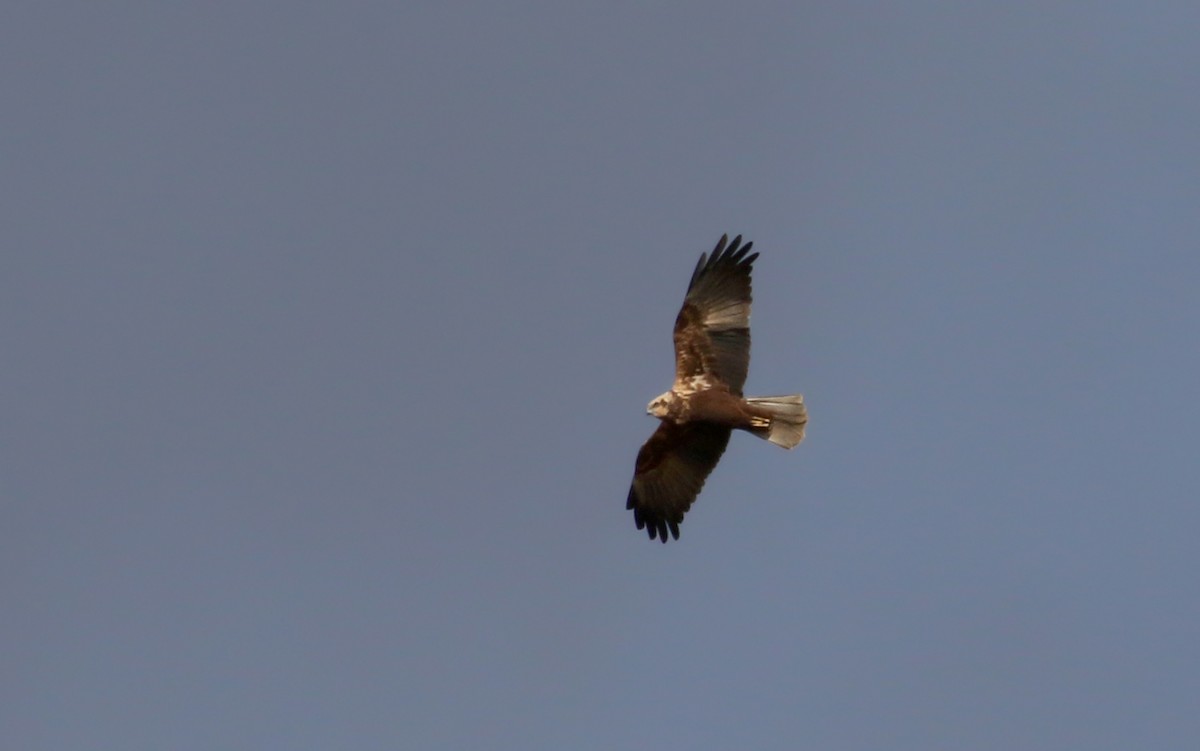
x,y
705,404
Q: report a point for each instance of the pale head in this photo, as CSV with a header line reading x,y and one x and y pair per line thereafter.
x,y
660,406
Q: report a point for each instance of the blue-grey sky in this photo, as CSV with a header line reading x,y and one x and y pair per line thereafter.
x,y
328,330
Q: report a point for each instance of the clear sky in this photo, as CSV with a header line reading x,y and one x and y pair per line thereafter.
x,y
327,332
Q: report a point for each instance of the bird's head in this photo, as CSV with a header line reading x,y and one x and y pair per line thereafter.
x,y
660,405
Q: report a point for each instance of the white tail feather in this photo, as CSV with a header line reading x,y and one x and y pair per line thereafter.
x,y
788,418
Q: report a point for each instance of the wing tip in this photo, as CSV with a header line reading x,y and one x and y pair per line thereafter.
x,y
660,529
657,528
733,253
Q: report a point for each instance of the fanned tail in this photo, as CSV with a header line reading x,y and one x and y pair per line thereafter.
x,y
788,418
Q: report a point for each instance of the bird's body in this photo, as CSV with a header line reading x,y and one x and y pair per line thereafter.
x,y
714,404
705,404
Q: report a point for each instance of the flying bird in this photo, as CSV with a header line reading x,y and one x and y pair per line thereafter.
x,y
705,404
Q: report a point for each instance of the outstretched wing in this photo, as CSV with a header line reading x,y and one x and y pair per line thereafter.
x,y
671,469
712,330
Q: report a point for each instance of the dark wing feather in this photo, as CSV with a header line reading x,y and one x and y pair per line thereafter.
x,y
671,469
712,330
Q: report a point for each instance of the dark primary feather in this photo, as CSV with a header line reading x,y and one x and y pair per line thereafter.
x,y
671,469
712,330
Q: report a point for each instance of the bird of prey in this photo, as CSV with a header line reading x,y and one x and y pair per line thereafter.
x,y
705,404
